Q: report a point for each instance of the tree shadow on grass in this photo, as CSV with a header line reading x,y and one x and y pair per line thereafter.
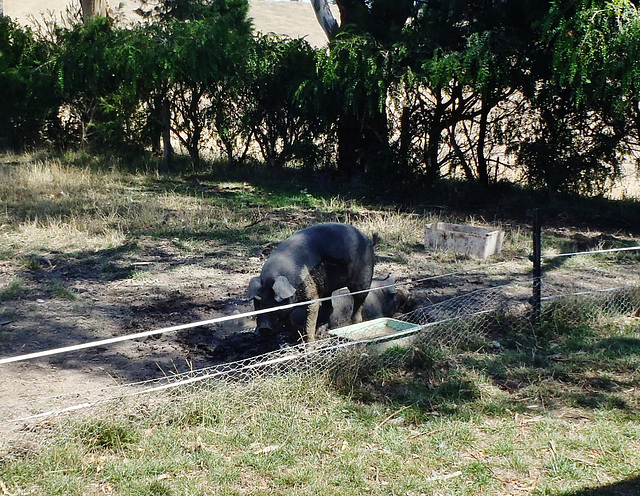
x,y
576,367
406,377
629,487
450,198
503,201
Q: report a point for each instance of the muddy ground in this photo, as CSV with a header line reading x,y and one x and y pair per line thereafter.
x,y
156,284
128,291
132,289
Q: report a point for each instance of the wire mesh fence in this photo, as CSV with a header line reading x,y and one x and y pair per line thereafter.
x,y
590,307
454,322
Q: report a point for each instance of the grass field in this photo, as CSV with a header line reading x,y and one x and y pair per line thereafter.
x,y
554,412
551,419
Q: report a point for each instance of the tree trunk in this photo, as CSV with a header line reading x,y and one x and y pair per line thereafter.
x,y
348,129
376,142
325,17
483,172
635,116
405,138
167,153
468,173
431,159
362,139
434,133
91,8
349,145
155,125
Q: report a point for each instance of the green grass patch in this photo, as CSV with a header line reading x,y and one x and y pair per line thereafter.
x,y
60,290
549,412
14,290
297,435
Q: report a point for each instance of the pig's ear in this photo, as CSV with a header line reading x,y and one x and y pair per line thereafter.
x,y
389,283
282,289
254,288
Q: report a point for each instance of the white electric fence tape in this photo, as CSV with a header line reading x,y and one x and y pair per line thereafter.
x,y
592,252
217,320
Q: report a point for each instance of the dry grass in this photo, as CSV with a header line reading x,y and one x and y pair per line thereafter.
x,y
540,415
396,229
47,206
50,206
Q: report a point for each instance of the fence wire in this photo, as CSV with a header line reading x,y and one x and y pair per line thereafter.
x,y
450,323
587,308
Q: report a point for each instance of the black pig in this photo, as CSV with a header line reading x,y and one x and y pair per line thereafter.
x,y
309,265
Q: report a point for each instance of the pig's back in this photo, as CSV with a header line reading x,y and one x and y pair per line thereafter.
x,y
321,243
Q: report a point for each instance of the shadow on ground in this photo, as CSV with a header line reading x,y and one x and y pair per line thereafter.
x,y
70,299
552,367
629,487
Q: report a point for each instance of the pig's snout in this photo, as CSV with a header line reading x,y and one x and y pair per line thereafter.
x,y
264,326
264,329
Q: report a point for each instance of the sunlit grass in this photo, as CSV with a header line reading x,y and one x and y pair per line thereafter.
x,y
47,206
296,435
529,417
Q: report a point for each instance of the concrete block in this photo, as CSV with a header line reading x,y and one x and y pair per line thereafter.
x,y
479,242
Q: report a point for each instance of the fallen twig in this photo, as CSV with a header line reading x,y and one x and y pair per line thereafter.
x,y
393,415
428,433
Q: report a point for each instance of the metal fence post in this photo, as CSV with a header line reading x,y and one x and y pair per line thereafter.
x,y
536,258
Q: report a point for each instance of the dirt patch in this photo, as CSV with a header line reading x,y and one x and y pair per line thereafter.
x,y
132,289
156,284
